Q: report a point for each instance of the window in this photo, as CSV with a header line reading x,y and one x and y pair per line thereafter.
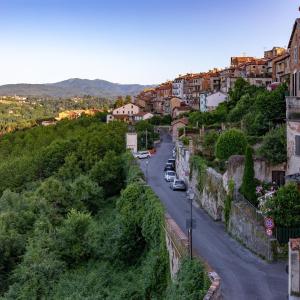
x,y
297,145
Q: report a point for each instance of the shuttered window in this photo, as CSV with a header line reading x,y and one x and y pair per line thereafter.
x,y
297,144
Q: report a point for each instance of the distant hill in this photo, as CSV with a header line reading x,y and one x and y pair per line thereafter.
x,y
72,87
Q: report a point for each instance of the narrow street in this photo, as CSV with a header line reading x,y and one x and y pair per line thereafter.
x,y
243,275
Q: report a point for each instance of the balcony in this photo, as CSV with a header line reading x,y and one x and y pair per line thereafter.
x,y
293,109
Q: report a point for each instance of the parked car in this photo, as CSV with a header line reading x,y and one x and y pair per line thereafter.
x,y
170,176
172,161
174,152
178,185
142,154
169,167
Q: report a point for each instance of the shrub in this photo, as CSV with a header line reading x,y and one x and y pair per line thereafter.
x,y
230,143
209,143
274,146
284,207
248,187
73,238
191,281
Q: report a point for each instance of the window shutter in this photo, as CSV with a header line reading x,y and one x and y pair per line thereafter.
x,y
297,143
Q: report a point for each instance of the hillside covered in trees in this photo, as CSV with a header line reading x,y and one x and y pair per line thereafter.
x,y
78,222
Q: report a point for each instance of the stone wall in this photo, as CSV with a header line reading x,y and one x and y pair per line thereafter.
x,y
235,170
211,195
210,190
247,226
177,246
182,162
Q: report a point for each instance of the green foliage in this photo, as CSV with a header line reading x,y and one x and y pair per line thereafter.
x,y
284,207
209,143
229,143
209,118
88,192
240,88
228,202
199,164
241,108
72,238
248,187
274,146
185,140
108,173
63,234
256,123
158,120
191,281
146,134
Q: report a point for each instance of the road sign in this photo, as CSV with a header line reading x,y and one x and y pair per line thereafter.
x,y
269,232
269,223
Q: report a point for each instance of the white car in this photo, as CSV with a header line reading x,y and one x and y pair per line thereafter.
x,y
142,154
170,176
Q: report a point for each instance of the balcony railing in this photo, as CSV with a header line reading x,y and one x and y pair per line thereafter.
x,y
293,109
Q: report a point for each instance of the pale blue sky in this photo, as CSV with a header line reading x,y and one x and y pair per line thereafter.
x,y
134,41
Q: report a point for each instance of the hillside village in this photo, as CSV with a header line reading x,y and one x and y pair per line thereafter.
x,y
237,135
187,189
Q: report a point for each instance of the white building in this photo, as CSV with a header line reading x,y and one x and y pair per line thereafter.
x,y
211,101
127,109
293,137
177,87
131,141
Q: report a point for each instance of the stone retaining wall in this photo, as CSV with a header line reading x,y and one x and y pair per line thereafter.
x,y
211,197
247,226
177,245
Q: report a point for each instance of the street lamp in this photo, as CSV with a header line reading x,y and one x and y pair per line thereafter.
x,y
190,230
147,163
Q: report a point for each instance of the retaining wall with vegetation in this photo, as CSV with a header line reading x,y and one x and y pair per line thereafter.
x,y
209,191
247,226
177,245
244,223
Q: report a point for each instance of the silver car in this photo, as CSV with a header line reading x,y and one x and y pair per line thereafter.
x,y
170,176
178,185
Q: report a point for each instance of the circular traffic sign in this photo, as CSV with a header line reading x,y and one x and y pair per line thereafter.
x,y
269,232
269,223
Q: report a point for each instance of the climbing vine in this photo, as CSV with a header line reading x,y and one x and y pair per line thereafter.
x,y
198,163
228,202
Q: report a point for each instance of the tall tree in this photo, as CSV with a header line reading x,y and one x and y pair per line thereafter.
x,y
248,187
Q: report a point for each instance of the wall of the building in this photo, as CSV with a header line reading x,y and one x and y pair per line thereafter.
x,y
128,109
293,163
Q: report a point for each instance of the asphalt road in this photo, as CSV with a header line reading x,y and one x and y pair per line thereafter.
x,y
243,275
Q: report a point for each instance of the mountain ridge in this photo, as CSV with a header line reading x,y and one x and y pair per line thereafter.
x,y
73,87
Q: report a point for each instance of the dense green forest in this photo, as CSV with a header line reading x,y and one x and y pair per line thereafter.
x,y
19,113
78,222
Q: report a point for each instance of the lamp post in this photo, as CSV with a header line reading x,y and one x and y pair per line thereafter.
x,y
190,230
147,163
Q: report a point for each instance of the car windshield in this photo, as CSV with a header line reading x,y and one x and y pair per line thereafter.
x,y
143,152
179,182
171,173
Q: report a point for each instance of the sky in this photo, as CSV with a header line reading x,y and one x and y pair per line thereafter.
x,y
134,41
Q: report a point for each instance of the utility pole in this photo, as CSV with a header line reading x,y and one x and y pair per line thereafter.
x,y
191,229
190,223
